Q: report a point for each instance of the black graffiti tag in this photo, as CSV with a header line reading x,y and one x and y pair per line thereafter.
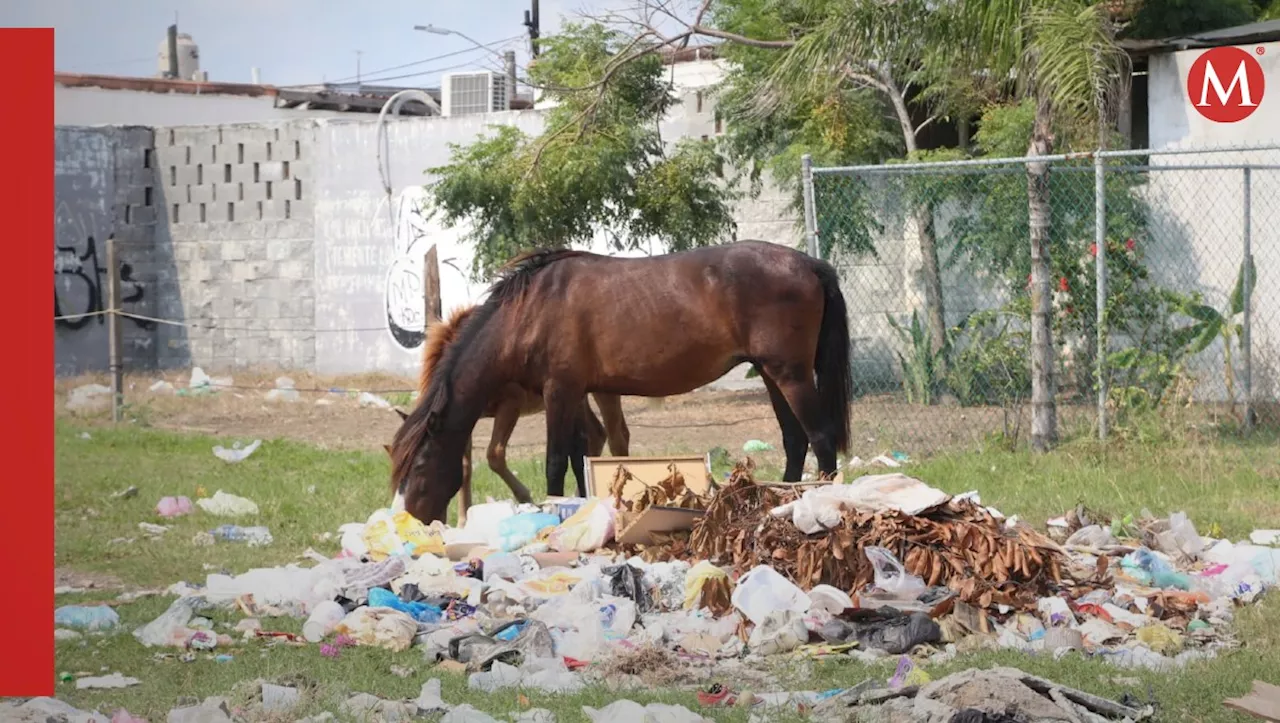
x,y
72,269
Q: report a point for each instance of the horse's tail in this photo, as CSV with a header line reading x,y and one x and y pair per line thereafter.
x,y
831,362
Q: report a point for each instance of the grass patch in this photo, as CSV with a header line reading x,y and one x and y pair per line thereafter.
x,y
1229,482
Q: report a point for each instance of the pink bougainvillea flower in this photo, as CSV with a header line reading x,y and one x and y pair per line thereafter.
x,y
1130,244
1063,285
1093,249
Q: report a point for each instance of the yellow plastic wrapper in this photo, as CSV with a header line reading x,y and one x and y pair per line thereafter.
x,y
1161,639
698,576
557,583
388,534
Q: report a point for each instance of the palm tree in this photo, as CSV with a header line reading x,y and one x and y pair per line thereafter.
x,y
1063,54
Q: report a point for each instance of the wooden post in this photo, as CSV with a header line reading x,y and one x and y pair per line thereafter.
x,y
431,287
114,361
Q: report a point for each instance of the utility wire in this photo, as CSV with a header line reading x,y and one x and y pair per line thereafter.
x,y
370,77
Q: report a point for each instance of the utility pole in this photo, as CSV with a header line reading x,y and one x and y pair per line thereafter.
x,y
509,65
531,22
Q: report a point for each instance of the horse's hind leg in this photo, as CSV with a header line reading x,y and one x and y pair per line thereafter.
x,y
614,424
464,494
565,434
596,433
794,440
504,424
795,382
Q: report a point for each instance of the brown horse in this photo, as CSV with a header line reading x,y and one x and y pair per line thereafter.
x,y
506,408
570,323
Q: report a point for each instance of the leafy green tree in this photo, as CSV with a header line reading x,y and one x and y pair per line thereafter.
x,y
599,165
837,79
1157,19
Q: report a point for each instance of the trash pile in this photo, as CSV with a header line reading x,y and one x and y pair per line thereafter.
x,y
678,570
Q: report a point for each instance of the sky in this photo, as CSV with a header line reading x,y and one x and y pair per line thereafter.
x,y
292,42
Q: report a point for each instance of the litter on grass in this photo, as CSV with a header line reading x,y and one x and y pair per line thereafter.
x,y
885,566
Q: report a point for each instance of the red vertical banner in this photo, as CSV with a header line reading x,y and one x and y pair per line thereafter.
x,y
26,513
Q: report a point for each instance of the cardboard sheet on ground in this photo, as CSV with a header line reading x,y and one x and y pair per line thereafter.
x,y
656,520
638,530
1261,702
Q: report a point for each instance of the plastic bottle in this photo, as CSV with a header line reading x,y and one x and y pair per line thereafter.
x,y
322,621
255,536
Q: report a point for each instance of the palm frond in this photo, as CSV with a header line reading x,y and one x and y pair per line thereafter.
x,y
1077,60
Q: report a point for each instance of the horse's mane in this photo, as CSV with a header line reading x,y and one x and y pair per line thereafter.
x,y
440,336
513,281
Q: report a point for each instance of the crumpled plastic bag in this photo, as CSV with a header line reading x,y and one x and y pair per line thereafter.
x,y
628,582
781,632
225,505
518,531
379,627
399,533
884,629
171,628
696,579
892,577
823,507
588,529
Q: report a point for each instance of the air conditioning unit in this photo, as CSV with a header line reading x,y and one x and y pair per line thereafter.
x,y
480,91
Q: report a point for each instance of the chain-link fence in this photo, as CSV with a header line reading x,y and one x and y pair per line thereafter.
x,y
935,261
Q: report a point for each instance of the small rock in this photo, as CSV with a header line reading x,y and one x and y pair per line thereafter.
x,y
318,718
276,698
65,634
115,680
466,714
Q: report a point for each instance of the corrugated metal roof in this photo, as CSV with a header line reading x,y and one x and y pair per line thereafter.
x,y
1263,32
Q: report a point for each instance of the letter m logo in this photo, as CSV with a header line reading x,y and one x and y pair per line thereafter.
x,y
1233,101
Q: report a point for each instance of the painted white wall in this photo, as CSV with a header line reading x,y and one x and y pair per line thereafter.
x,y
77,106
1198,230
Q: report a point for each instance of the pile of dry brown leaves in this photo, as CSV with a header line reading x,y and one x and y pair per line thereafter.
x,y
959,545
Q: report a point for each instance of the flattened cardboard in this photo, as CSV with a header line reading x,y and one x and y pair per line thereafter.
x,y
649,470
655,520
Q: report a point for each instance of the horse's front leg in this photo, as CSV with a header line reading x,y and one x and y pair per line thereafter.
x,y
564,430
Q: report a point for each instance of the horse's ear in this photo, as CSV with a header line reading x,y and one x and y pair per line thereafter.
x,y
388,448
403,416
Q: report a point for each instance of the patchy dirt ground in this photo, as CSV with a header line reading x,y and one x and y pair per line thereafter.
x,y
692,422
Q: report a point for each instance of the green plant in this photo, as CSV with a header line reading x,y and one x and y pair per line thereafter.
x,y
920,370
1212,324
988,363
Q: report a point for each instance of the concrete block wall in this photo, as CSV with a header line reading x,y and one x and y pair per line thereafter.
x,y
106,185
239,217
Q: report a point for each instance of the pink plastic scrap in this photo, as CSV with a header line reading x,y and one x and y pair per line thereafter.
x,y
173,506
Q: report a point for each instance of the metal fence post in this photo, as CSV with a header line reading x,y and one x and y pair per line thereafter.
x,y
1100,274
1246,289
810,213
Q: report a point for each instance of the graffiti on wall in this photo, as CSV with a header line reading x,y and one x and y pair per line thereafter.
x,y
79,286
403,295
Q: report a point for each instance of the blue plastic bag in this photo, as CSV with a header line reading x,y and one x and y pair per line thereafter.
x,y
86,617
380,597
516,532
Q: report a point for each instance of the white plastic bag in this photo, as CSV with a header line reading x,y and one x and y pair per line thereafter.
x,y
588,529
762,590
892,577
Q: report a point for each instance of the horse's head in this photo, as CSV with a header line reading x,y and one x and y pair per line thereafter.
x,y
426,464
